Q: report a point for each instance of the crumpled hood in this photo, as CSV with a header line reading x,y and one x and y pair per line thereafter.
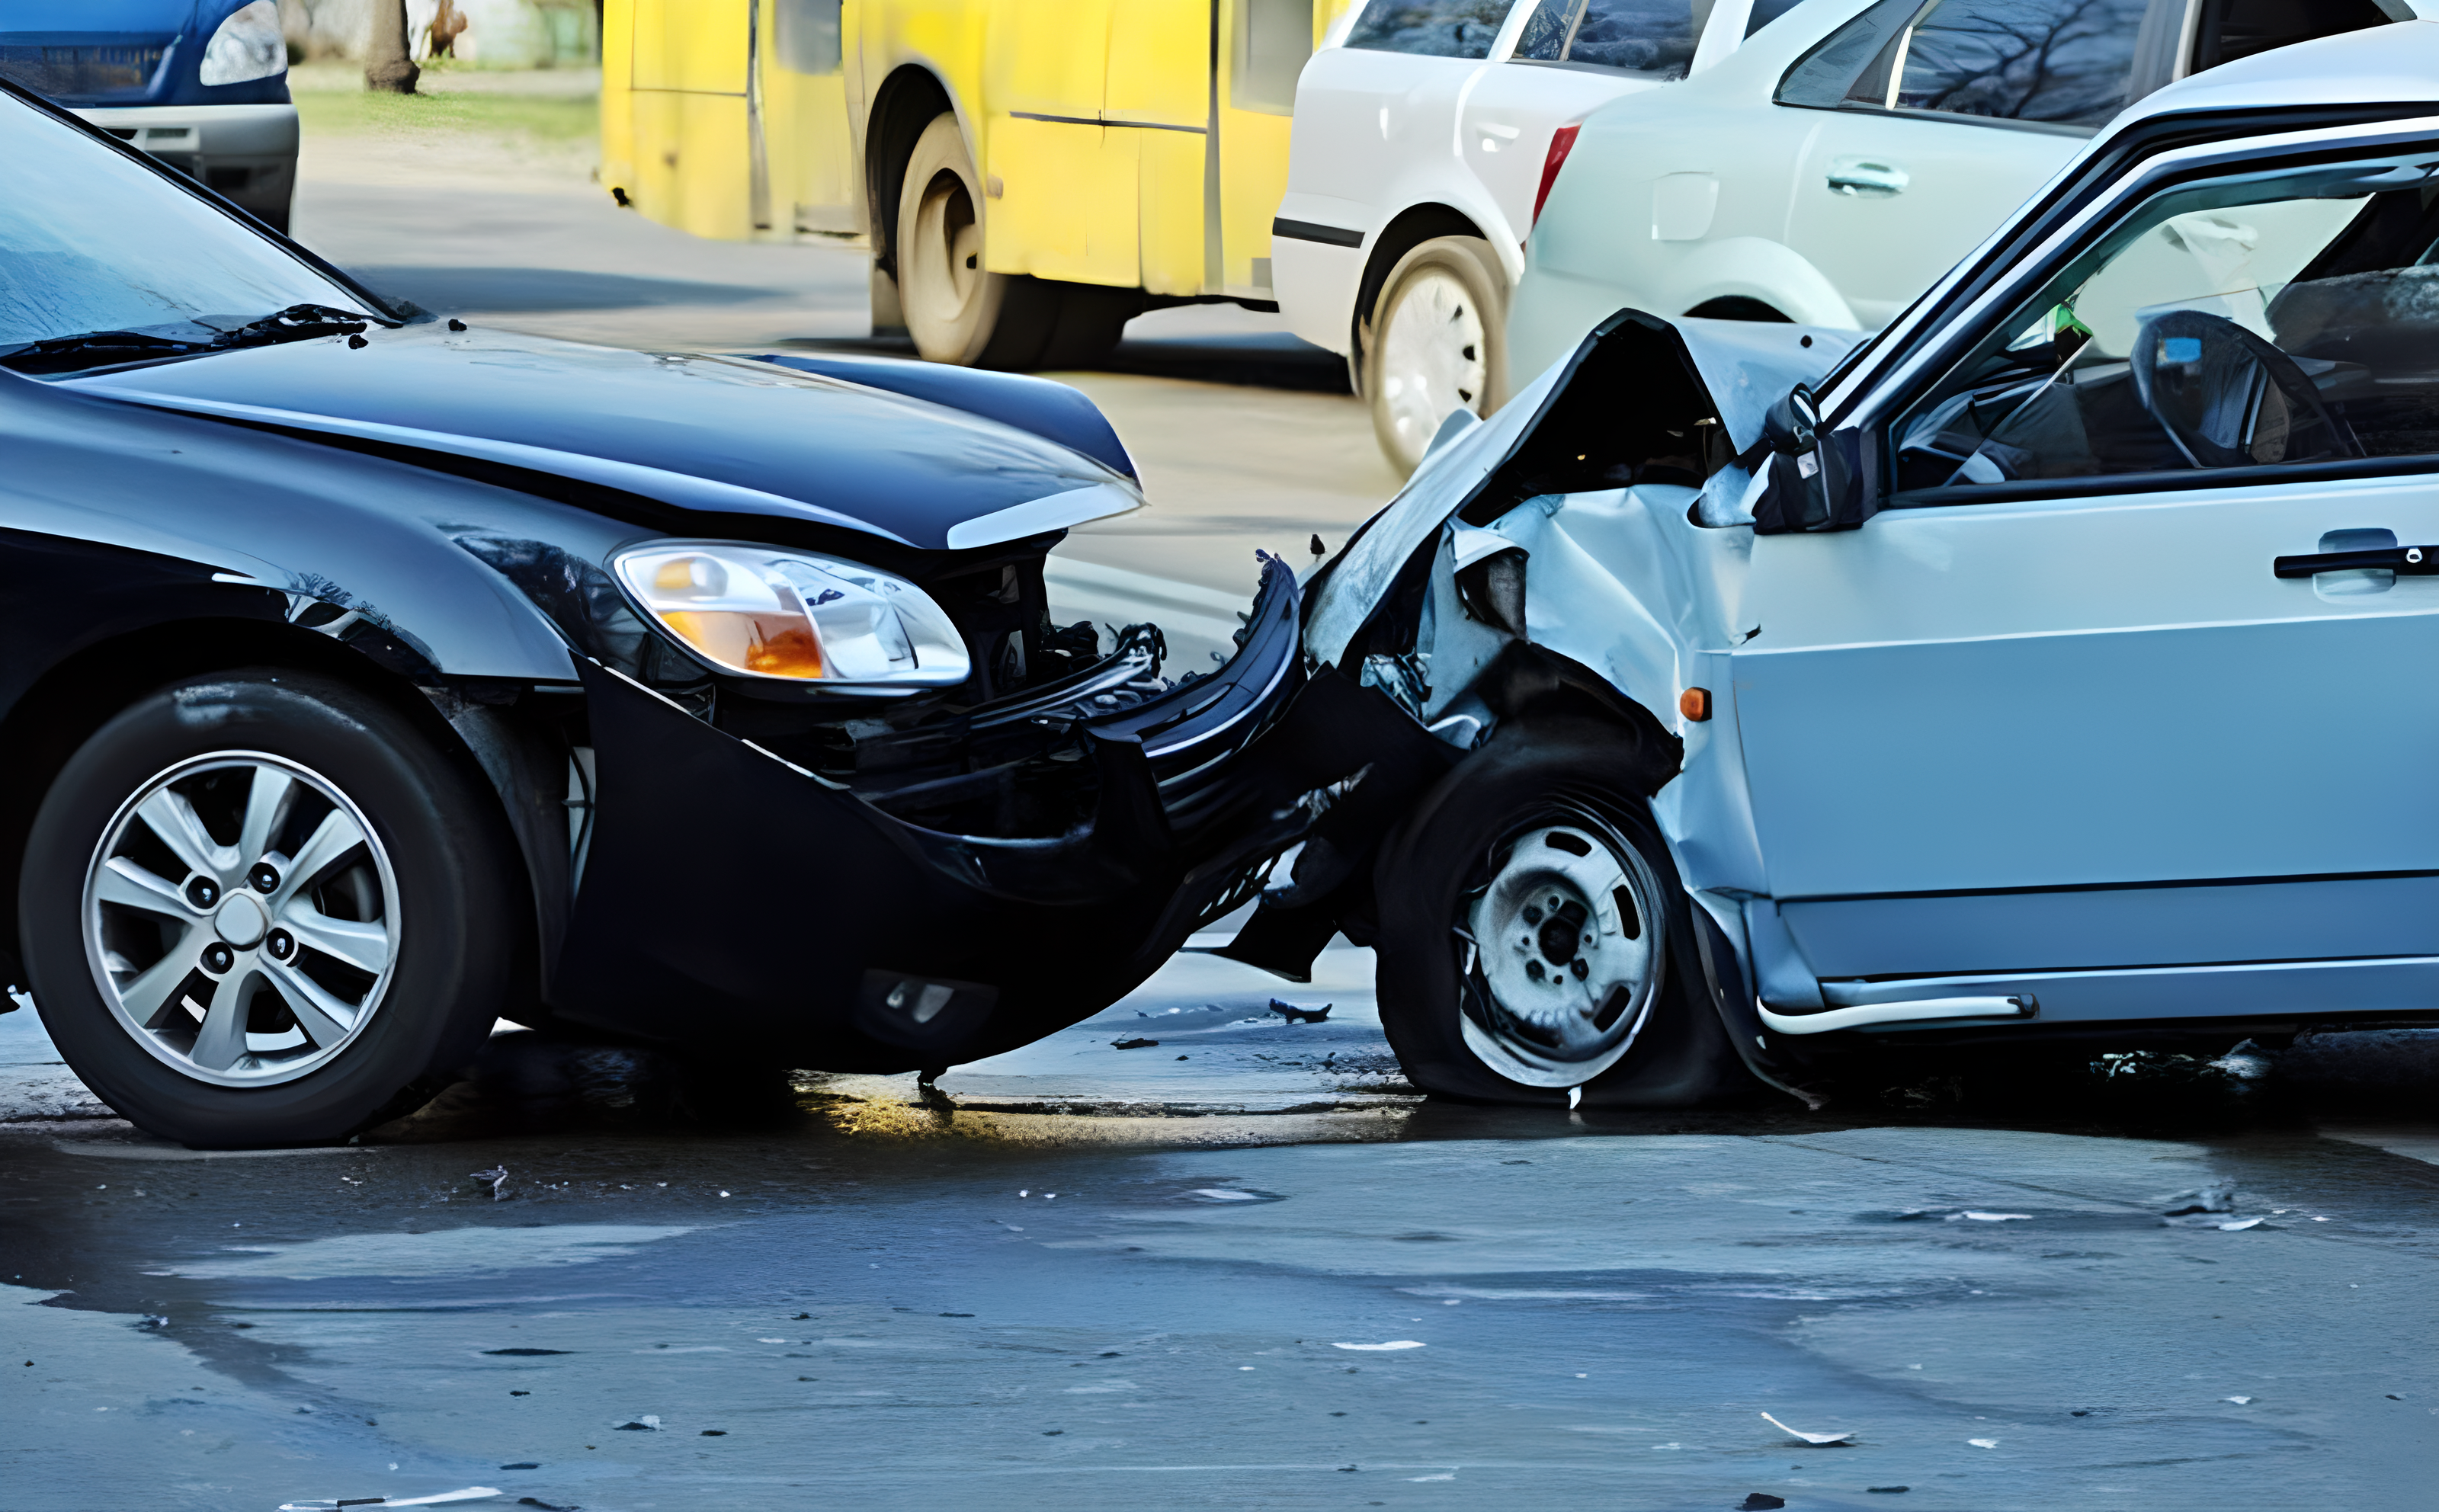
x,y
720,434
1745,365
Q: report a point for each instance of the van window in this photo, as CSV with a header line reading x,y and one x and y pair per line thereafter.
x,y
1652,37
2230,29
1437,28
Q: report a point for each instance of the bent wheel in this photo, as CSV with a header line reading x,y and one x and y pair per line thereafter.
x,y
262,907
1436,344
1534,938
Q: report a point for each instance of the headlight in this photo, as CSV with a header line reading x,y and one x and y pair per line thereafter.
x,y
247,46
794,615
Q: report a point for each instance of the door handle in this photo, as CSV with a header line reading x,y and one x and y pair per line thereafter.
x,y
1866,178
2406,562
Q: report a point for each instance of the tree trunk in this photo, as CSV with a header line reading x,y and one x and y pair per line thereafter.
x,y
387,62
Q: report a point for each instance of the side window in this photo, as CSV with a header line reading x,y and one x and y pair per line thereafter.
x,y
1654,37
1274,41
2054,62
2251,323
808,36
2230,29
1438,29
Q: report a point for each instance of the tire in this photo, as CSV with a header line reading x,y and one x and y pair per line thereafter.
x,y
1435,343
957,311
372,955
1537,815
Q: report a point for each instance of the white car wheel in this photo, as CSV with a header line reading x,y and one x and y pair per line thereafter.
x,y
1434,345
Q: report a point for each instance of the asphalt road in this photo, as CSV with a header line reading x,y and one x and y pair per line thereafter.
x,y
1241,1266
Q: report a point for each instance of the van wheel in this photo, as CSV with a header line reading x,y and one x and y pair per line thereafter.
x,y
957,311
1437,343
262,907
1535,938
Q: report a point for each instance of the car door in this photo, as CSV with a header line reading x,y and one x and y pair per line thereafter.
x,y
2099,702
1569,56
1934,118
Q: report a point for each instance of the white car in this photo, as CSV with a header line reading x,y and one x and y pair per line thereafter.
x,y
1838,163
1426,134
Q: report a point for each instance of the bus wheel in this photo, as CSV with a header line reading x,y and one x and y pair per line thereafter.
x,y
957,311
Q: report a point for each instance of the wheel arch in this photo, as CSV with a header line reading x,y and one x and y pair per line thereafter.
x,y
1766,271
907,101
60,710
1405,231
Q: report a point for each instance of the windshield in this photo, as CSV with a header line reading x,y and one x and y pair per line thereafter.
x,y
90,242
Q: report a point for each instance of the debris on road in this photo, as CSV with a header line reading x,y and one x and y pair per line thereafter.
x,y
1759,1501
498,1178
1132,1044
522,1349
1888,1490
152,1320
2237,1227
2215,1197
1295,1015
1821,1440
1393,1344
1983,1443
648,1423
1990,1218
2240,1402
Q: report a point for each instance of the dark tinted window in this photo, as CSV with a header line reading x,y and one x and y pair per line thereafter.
x,y
1766,11
1844,64
2231,29
1439,28
808,36
1643,36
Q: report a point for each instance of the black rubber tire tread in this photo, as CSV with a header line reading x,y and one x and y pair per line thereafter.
x,y
1680,1058
459,899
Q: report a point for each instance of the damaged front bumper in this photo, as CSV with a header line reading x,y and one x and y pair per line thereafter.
x,y
731,896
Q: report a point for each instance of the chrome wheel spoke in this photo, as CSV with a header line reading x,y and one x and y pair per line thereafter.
x,y
365,947
266,808
325,1019
221,1040
332,837
128,885
172,818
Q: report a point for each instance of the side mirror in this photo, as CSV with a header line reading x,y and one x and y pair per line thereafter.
x,y
1793,423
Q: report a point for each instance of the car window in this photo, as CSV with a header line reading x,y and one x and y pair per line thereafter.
x,y
2254,322
2049,63
1439,28
2230,29
92,241
1766,11
1654,37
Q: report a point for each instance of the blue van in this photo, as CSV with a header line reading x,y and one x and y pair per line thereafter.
x,y
201,84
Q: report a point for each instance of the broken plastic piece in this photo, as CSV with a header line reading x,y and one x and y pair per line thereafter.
x,y
1816,1439
471,1493
1132,1044
1393,1344
1295,1015
498,1178
1759,1501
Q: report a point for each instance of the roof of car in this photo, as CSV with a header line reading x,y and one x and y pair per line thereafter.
x,y
2378,64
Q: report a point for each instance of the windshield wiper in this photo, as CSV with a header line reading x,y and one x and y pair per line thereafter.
x,y
100,348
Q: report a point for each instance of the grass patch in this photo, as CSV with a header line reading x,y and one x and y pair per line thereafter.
x,y
365,113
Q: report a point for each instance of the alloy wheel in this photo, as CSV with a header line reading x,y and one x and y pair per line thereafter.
x,y
241,919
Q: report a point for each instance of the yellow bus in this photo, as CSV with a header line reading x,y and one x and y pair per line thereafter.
x,y
1027,174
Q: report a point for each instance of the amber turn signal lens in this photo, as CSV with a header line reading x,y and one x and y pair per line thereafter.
x,y
1695,704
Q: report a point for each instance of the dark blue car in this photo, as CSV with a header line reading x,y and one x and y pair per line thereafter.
x,y
201,84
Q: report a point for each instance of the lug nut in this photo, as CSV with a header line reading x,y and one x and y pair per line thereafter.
x,y
264,876
218,958
202,892
281,945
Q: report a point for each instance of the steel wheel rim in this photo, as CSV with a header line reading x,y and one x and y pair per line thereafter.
x,y
1425,369
1580,1012
947,232
224,979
